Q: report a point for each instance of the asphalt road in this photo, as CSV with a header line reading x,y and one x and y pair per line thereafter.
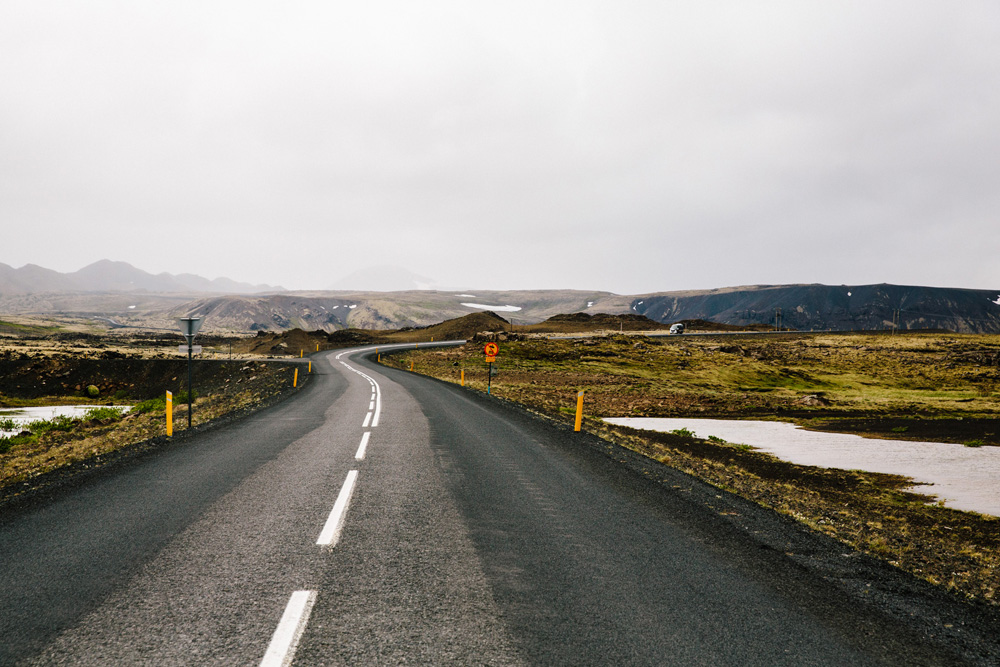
x,y
380,517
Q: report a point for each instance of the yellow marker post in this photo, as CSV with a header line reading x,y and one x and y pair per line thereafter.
x,y
380,358
463,377
416,346
411,364
310,367
301,352
295,379
170,414
579,411
317,347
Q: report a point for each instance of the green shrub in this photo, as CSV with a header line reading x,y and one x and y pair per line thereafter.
x,y
14,440
93,391
150,405
60,423
104,413
9,424
974,443
182,396
716,440
683,432
121,394
900,429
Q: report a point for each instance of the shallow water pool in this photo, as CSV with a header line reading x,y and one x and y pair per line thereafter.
x,y
965,478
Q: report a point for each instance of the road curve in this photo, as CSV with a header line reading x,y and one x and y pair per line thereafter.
x,y
383,517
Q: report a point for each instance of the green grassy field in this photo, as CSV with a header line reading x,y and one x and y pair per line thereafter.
x,y
799,378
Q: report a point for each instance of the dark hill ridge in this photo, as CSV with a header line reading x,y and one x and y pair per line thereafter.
x,y
845,307
466,327
293,341
580,322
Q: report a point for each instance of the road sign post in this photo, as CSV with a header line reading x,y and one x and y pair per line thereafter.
x,y
491,350
189,327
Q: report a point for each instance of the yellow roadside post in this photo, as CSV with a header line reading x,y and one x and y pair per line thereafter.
x,y
310,367
579,411
317,347
463,377
411,364
295,379
301,352
170,414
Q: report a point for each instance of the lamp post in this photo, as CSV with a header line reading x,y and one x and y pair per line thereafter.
x,y
189,327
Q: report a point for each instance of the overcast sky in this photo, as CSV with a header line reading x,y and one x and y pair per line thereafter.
x,y
623,146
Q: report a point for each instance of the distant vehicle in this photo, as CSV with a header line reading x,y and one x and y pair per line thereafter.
x,y
677,328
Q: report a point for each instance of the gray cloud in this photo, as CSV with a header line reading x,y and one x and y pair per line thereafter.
x,y
628,146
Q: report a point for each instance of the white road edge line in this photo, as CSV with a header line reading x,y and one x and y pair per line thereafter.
x,y
286,636
363,446
368,419
335,522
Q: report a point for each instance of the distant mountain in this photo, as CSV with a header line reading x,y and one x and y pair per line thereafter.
x,y
383,279
32,278
108,276
844,307
135,298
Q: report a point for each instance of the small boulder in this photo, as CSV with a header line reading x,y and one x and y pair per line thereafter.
x,y
813,400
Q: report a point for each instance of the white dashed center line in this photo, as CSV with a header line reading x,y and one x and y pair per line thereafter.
x,y
286,637
281,650
375,407
335,523
363,446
